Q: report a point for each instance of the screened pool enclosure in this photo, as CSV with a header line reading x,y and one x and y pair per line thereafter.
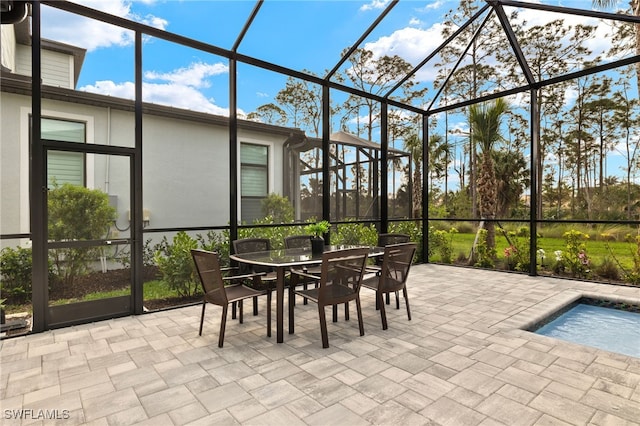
x,y
500,134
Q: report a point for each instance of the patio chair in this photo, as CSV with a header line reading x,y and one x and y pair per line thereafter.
x,y
252,245
393,276
383,241
301,242
218,292
340,281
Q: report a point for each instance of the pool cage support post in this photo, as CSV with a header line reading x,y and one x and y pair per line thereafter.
x,y
533,202
425,186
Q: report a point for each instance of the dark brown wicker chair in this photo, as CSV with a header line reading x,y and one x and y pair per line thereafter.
x,y
298,241
393,276
252,245
218,292
340,281
383,241
301,242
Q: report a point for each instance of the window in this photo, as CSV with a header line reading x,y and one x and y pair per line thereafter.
x,y
64,166
254,184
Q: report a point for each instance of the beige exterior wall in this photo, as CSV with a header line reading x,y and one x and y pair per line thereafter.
x,y
185,164
8,46
57,68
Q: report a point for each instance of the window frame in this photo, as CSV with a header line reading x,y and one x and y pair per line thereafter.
x,y
254,166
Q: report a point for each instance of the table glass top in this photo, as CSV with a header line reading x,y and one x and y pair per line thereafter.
x,y
296,256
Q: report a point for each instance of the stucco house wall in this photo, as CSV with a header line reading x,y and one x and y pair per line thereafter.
x,y
185,157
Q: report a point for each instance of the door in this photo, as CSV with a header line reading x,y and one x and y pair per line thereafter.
x,y
89,240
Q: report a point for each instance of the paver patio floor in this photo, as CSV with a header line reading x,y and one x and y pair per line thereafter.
x,y
462,360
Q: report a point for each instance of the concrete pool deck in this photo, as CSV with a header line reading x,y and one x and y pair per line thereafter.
x,y
464,359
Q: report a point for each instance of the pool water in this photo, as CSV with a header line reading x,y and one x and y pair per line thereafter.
x,y
605,328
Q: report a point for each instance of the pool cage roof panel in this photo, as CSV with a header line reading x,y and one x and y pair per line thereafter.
x,y
257,33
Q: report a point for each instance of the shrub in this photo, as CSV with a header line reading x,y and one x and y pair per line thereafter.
x,y
76,213
443,243
608,269
176,265
356,233
277,207
413,230
15,274
575,258
15,269
483,255
218,242
632,275
517,254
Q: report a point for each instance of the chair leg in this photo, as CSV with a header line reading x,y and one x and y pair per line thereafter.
x,y
240,310
359,310
234,314
292,304
204,304
255,306
388,300
383,313
346,311
223,325
406,300
305,286
323,326
397,299
269,314
335,312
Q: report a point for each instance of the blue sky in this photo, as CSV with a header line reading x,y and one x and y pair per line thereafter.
x,y
296,34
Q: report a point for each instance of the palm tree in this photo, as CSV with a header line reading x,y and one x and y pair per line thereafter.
x,y
438,156
413,144
484,122
635,8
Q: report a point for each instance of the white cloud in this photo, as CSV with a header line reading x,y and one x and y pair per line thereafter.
x,y
194,75
179,88
174,95
433,6
411,44
375,4
91,34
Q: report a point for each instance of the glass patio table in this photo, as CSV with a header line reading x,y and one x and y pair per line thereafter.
x,y
281,261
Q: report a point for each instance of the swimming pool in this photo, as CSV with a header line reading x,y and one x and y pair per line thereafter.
x,y
602,327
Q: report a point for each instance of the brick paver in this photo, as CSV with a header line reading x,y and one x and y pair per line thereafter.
x,y
464,359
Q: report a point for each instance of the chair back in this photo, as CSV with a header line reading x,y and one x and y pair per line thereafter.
x,y
298,241
210,274
388,239
341,275
251,245
395,266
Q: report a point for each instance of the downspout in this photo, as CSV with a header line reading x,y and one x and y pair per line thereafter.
x,y
290,145
103,257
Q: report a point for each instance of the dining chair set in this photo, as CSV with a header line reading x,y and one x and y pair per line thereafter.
x,y
336,281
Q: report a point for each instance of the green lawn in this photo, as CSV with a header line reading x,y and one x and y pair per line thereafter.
x,y
597,250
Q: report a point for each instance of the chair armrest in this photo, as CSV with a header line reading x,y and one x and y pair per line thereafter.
x,y
245,276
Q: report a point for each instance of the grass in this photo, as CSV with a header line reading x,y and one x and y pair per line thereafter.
x,y
597,249
156,289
